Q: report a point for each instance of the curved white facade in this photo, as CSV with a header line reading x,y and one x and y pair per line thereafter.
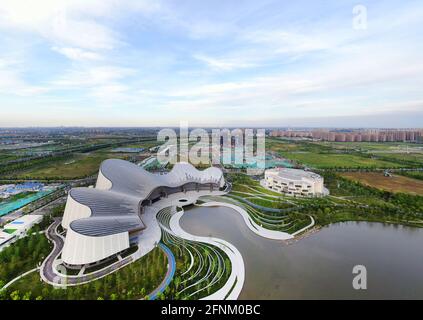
x,y
102,182
74,211
294,182
104,220
80,249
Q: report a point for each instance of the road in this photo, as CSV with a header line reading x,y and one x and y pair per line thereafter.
x,y
47,266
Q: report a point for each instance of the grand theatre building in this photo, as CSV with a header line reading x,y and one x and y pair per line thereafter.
x,y
103,221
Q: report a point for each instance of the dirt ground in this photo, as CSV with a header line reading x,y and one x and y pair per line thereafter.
x,y
396,183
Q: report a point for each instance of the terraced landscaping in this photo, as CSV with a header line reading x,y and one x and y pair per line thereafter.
x,y
267,208
201,268
348,201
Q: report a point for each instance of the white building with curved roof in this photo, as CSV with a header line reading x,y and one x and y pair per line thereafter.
x,y
103,221
294,182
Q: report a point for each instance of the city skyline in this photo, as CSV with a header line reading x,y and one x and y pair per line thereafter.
x,y
268,64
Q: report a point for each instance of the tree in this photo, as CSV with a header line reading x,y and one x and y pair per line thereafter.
x,y
97,286
45,292
15,295
3,294
177,282
27,296
142,292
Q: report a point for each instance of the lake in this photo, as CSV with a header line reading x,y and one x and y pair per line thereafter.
x,y
320,265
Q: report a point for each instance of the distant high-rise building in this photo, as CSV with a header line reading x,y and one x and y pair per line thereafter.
x,y
374,135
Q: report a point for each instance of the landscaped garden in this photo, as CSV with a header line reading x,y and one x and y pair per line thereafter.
x,y
348,201
201,268
134,281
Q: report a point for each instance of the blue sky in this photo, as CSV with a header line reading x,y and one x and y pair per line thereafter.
x,y
211,63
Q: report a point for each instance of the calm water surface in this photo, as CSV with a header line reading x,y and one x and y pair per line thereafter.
x,y
320,266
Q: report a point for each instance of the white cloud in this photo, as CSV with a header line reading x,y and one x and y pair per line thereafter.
x,y
78,54
352,83
84,34
223,64
12,82
104,83
93,76
110,93
247,61
70,23
283,41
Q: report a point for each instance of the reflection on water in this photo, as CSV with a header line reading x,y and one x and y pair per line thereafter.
x,y
320,266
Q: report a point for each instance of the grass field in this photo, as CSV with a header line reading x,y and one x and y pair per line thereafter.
x,y
277,145
393,184
413,157
369,146
324,160
414,174
144,144
77,166
7,157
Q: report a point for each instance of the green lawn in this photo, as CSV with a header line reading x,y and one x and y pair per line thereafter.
x,y
413,157
278,145
143,144
413,174
325,160
7,157
9,231
76,166
368,146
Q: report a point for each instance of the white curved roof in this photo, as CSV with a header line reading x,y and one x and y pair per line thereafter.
x,y
121,187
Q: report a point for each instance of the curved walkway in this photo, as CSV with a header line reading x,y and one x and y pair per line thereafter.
x,y
254,227
46,270
209,258
312,223
169,275
18,277
256,206
233,287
